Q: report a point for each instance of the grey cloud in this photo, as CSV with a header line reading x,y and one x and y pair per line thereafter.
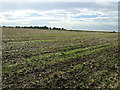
x,y
58,5
67,7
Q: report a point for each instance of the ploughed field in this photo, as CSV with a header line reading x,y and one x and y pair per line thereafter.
x,y
59,59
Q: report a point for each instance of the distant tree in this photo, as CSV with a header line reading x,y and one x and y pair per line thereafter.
x,y
57,28
17,26
35,27
50,28
31,27
63,29
54,28
45,27
113,31
24,26
3,26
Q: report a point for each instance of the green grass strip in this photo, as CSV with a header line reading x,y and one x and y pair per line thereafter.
x,y
38,61
30,41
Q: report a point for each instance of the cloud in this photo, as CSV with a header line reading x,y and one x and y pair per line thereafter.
x,y
67,15
108,26
60,0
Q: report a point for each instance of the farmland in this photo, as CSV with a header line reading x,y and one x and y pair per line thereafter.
x,y
59,59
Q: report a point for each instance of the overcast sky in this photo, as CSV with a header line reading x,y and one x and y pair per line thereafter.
x,y
69,15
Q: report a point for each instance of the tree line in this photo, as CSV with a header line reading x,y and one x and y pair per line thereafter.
x,y
34,27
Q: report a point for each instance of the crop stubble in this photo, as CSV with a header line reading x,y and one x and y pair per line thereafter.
x,y
58,59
